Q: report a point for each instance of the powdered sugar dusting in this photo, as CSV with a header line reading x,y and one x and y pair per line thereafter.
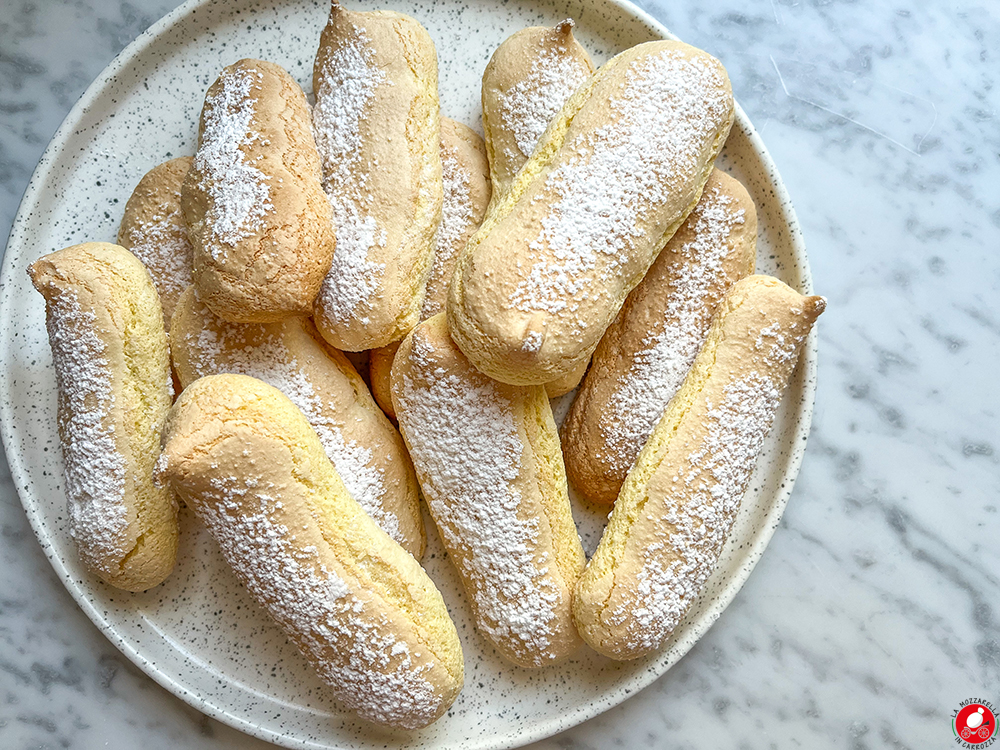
x,y
462,438
239,192
347,86
532,341
224,349
783,346
352,279
530,104
670,105
353,651
456,219
94,467
660,367
712,487
162,245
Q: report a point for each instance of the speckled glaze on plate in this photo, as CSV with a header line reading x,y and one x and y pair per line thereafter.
x,y
199,634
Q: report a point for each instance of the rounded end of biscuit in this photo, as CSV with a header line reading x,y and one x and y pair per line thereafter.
x,y
612,642
37,272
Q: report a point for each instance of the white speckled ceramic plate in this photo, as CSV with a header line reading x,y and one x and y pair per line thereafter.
x,y
199,634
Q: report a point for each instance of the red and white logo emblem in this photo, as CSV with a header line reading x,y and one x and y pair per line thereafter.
x,y
975,724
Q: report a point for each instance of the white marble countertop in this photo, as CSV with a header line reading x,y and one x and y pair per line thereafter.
x,y
875,608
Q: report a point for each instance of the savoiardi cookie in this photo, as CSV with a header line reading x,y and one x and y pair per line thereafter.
x,y
109,350
257,216
377,128
490,469
363,446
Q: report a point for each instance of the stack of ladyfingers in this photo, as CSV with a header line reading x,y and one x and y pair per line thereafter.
x,y
588,237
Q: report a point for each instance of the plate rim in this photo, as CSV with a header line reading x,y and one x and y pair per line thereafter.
x,y
520,736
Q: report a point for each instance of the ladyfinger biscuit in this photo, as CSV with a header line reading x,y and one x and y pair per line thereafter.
x,y
529,78
612,179
254,204
647,352
467,191
366,450
466,176
678,504
377,129
359,608
154,231
488,459
109,349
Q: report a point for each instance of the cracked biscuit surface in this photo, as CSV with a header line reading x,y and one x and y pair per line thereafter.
x,y
257,216
154,231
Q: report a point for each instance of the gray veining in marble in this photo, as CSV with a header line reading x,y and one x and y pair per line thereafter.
x,y
875,608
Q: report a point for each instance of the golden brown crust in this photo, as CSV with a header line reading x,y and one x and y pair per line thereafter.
x,y
488,459
586,216
109,350
645,354
361,610
154,231
256,212
380,368
377,128
528,79
364,447
675,511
